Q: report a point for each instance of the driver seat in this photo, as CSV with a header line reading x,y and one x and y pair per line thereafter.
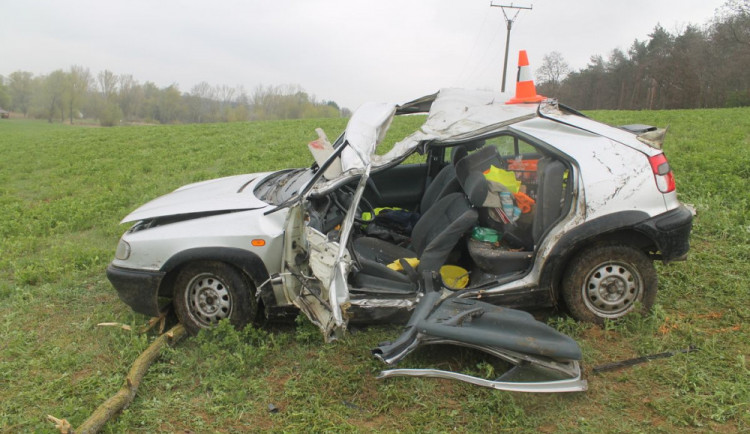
x,y
434,236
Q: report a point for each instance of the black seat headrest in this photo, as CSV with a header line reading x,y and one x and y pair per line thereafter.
x,y
479,161
476,188
457,154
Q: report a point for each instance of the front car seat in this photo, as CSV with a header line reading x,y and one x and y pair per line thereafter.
x,y
434,237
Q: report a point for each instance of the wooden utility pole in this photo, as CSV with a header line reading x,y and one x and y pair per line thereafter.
x,y
509,24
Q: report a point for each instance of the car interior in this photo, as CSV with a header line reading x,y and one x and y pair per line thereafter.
x,y
449,211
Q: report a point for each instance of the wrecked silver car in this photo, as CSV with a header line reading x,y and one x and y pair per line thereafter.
x,y
516,204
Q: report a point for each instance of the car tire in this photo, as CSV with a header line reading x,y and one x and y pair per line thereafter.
x,y
206,292
607,281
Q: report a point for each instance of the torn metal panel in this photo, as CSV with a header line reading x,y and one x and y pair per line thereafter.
x,y
507,381
544,359
306,255
379,303
322,254
365,130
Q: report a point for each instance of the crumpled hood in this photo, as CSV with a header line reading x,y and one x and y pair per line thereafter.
x,y
223,194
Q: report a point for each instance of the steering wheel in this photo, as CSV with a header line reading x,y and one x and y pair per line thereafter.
x,y
342,199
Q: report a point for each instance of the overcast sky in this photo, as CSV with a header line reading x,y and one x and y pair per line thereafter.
x,y
349,51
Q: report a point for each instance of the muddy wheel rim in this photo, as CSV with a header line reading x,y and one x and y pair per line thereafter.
x,y
208,299
611,289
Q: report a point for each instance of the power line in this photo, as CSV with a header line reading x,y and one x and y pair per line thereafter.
x,y
473,47
509,24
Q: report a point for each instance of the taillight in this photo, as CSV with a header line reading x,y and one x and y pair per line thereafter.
x,y
662,173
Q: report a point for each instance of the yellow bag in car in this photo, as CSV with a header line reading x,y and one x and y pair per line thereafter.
x,y
503,177
453,276
396,265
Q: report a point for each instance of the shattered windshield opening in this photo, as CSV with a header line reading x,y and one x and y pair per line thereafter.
x,y
281,186
309,181
353,150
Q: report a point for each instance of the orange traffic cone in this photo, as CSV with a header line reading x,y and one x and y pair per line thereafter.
x,y
525,89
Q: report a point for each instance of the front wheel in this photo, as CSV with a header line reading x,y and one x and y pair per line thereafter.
x,y
606,282
207,292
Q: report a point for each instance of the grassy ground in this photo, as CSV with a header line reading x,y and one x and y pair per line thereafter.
x,y
64,188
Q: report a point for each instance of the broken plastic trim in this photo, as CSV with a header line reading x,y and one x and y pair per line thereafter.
x,y
505,382
544,359
529,374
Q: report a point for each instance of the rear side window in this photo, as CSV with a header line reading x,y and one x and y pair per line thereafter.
x,y
510,146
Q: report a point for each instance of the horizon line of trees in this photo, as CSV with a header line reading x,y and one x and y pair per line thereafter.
x,y
697,67
77,94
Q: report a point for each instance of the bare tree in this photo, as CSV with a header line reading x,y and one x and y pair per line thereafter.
x,y
54,87
202,102
20,89
4,93
553,70
130,96
79,81
108,84
735,15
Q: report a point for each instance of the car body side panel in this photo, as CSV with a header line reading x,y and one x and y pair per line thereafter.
x,y
614,176
152,247
213,195
599,190
601,129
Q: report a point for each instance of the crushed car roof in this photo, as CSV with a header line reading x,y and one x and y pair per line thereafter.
x,y
454,115
458,115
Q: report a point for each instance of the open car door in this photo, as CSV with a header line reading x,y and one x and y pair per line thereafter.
x,y
316,267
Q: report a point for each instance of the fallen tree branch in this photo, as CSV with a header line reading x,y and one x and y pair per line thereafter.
x,y
125,395
161,320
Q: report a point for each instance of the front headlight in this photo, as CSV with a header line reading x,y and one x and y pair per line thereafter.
x,y
123,250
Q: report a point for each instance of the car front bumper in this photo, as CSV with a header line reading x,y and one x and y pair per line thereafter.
x,y
139,289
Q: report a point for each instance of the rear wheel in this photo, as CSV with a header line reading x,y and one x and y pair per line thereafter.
x,y
207,292
606,282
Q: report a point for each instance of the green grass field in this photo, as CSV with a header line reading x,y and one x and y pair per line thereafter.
x,y
63,190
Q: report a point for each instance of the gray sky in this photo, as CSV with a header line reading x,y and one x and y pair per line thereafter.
x,y
349,51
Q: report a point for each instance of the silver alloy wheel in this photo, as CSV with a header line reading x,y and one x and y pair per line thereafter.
x,y
208,299
612,288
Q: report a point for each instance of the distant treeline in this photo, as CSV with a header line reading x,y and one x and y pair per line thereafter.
x,y
115,99
694,68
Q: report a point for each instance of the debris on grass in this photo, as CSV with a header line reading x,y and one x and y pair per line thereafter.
x,y
60,424
114,324
638,360
161,320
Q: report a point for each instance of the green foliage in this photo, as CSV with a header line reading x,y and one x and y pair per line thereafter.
x,y
696,67
110,115
738,99
64,189
113,99
4,95
242,351
306,332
